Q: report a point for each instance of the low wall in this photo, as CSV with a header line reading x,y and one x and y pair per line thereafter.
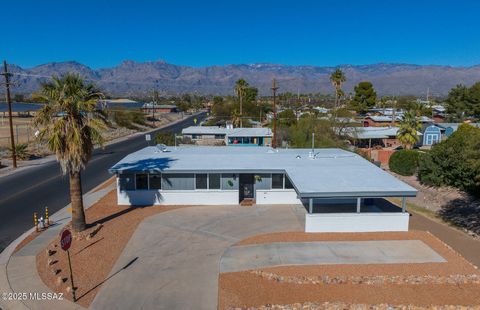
x,y
276,196
197,197
356,222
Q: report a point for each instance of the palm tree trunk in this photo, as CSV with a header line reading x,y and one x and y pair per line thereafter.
x,y
78,213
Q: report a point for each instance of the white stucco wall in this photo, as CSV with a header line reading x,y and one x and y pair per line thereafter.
x,y
277,196
197,197
353,222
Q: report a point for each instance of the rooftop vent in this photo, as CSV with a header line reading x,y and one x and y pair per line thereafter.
x,y
162,147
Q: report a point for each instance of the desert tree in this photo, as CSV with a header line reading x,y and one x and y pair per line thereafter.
x,y
71,125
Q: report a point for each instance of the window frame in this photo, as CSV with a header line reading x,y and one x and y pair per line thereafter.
x,y
207,184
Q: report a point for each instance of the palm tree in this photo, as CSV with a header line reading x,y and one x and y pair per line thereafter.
x,y
337,78
407,131
71,123
240,89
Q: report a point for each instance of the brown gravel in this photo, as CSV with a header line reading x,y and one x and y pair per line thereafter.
x,y
247,289
92,260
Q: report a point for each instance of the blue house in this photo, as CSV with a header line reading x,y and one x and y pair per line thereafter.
x,y
432,135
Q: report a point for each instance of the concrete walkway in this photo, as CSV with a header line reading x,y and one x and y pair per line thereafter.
x,y
172,260
240,258
18,271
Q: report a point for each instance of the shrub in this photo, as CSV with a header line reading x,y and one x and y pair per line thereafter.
x,y
454,162
128,118
404,162
167,138
21,151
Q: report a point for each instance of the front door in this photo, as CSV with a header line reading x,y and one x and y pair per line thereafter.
x,y
246,189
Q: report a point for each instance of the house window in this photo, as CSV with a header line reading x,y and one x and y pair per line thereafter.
x,y
141,181
178,181
277,180
126,182
201,181
155,181
288,183
196,136
218,137
214,181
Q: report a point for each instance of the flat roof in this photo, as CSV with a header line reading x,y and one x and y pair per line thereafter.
x,y
372,132
332,173
231,132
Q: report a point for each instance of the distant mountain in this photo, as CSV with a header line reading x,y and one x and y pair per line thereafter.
x,y
137,78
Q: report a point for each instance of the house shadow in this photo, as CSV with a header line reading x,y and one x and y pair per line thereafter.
x,y
343,205
463,213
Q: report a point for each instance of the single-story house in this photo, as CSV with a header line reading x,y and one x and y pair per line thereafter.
x,y
369,137
159,108
214,135
380,121
449,128
340,190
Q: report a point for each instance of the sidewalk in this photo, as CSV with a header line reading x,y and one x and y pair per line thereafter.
x,y
23,165
18,271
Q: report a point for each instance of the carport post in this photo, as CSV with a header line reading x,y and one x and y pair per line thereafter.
x,y
404,204
310,205
359,204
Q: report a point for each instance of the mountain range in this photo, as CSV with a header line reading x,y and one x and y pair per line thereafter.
x,y
132,78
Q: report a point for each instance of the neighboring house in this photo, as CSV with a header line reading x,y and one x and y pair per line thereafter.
x,y
449,128
380,121
214,135
432,135
340,190
159,108
370,137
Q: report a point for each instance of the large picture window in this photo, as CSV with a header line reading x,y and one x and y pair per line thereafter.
x,y
155,181
201,181
214,181
126,182
277,180
141,181
178,181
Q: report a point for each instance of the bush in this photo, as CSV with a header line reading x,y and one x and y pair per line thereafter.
x,y
128,118
454,162
167,138
404,162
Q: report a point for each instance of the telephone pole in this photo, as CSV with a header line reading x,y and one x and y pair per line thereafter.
x,y
274,90
155,99
7,75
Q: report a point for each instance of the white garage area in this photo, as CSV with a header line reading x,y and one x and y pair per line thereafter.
x,y
341,191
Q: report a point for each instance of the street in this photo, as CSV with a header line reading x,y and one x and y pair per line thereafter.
x,y
33,189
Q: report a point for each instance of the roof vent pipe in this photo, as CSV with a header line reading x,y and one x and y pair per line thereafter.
x,y
312,153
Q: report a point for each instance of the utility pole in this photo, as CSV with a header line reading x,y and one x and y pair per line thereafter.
x,y
155,99
274,90
241,101
7,75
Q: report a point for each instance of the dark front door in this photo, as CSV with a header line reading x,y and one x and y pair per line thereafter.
x,y
246,189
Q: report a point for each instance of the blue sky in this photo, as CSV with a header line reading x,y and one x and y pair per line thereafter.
x,y
200,33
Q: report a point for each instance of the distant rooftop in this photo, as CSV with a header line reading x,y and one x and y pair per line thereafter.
x,y
372,132
331,173
231,132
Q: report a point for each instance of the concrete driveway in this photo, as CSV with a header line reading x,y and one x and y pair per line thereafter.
x,y
172,260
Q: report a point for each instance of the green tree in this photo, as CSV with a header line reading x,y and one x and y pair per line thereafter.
x,y
71,125
338,78
240,90
365,97
454,162
407,131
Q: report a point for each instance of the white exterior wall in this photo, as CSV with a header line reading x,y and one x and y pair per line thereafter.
x,y
356,222
276,196
187,197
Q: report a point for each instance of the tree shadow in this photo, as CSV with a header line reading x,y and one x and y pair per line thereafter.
x,y
150,165
462,212
111,276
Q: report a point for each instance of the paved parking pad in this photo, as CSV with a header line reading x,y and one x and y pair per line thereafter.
x,y
240,258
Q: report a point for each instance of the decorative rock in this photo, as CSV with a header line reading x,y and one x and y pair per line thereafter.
x,y
59,281
95,230
51,252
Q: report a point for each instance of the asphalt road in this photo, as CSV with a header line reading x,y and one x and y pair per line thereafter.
x,y
30,190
